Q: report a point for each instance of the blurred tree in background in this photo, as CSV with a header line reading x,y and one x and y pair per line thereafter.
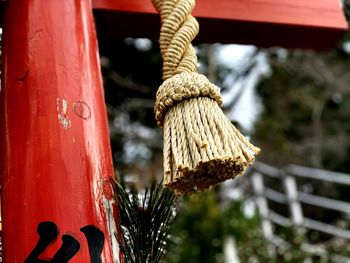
x,y
305,118
200,230
306,109
132,73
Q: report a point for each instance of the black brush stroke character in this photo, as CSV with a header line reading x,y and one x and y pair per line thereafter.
x,y
95,238
48,233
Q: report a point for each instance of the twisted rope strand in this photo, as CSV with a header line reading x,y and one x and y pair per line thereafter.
x,y
201,146
178,30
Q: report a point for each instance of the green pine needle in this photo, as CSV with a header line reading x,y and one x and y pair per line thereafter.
x,y
145,221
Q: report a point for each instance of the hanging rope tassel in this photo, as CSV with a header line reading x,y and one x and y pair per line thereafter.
x,y
201,146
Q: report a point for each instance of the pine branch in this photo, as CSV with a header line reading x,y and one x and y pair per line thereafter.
x,y
145,221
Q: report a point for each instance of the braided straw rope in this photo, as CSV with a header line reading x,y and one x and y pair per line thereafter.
x,y
201,146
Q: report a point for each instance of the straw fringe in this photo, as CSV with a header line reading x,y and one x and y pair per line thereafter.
x,y
201,146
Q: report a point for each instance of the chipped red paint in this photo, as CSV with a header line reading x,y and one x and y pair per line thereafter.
x,y
55,149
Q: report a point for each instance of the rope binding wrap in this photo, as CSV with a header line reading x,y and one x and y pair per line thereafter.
x,y
201,146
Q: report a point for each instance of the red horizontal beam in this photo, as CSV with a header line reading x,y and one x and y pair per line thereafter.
x,y
291,23
326,13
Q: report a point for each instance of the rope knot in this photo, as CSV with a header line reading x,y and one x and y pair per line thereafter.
x,y
180,87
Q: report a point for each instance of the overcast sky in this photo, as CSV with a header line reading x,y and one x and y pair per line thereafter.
x,y
249,106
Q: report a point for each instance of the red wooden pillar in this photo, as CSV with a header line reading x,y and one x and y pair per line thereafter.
x,y
55,157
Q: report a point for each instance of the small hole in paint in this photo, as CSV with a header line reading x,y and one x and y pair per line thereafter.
x,y
82,109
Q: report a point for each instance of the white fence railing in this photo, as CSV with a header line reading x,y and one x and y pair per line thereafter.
x,y
293,198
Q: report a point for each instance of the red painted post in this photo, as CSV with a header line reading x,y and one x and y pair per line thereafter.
x,y
55,160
